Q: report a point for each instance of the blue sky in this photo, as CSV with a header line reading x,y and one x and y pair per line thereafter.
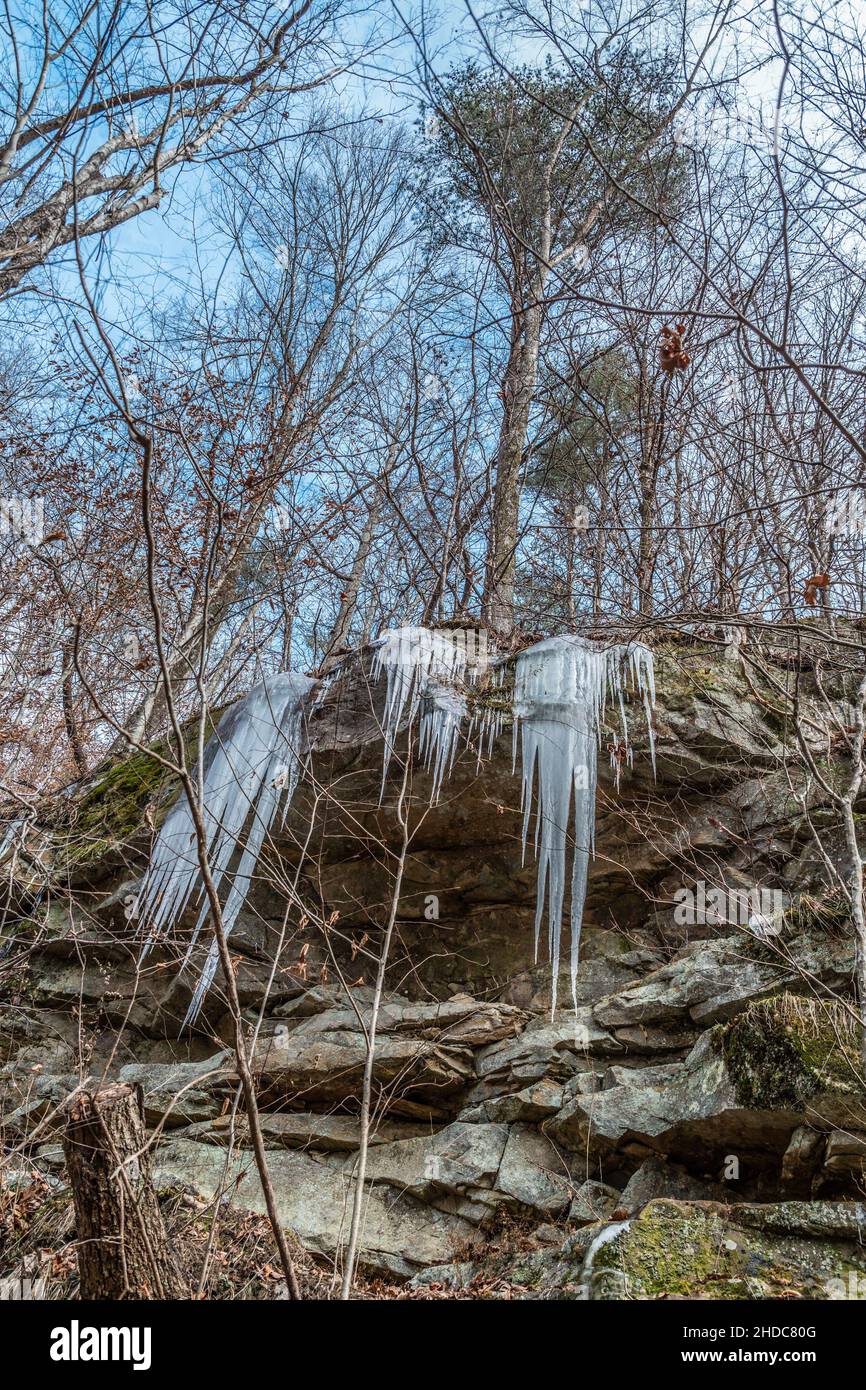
x,y
153,259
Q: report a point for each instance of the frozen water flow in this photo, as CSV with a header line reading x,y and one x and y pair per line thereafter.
x,y
253,760
10,835
423,669
561,689
605,1236
256,757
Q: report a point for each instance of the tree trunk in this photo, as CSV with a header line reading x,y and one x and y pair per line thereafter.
x,y
518,393
68,697
339,637
646,547
123,1250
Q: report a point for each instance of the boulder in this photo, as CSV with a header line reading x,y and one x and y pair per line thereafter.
x,y
417,1077
33,1104
459,1162
461,1021
398,1236
529,1105
533,1174
709,1250
334,1133
710,981
546,1050
593,1202
474,1168
743,1090
179,1093
846,1153
657,1178
801,1160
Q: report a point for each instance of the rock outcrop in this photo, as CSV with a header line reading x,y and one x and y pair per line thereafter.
x,y
697,1127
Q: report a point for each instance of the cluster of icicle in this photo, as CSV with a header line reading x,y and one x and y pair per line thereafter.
x,y
428,672
257,756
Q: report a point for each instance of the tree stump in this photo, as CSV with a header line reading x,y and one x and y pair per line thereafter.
x,y
123,1250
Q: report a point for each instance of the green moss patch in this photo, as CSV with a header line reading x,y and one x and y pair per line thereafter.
x,y
670,1250
781,1052
701,1250
111,812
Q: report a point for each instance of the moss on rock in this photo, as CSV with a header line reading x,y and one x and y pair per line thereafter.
x,y
703,1250
111,812
668,1250
781,1052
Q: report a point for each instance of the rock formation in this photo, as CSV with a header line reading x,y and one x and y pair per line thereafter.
x,y
695,1126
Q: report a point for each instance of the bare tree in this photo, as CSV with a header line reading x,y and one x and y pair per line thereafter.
x,y
101,102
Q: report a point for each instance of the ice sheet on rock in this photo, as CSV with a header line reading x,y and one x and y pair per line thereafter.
x,y
252,762
561,690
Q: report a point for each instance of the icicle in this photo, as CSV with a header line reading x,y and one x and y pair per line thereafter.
x,y
486,722
489,729
254,761
561,688
443,710
251,763
10,836
421,665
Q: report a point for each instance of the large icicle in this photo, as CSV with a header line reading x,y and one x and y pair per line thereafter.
x,y
443,710
252,761
561,687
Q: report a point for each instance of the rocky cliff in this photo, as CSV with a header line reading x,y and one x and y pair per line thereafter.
x,y
695,1127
